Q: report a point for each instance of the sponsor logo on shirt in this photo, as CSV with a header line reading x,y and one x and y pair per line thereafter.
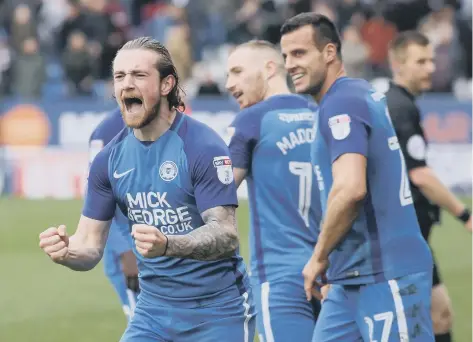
x,y
223,165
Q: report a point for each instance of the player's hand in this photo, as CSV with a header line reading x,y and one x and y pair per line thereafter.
x,y
149,241
314,268
128,263
55,243
468,225
324,291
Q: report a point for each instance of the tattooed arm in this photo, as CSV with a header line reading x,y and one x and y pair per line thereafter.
x,y
217,239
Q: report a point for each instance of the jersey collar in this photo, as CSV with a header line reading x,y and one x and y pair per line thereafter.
x,y
403,90
177,121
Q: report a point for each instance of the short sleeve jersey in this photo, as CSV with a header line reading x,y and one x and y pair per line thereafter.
x,y
168,184
385,241
272,141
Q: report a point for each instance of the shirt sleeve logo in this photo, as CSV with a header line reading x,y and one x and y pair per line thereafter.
x,y
416,147
224,169
168,171
340,126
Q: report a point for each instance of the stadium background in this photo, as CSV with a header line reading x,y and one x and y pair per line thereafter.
x,y
55,60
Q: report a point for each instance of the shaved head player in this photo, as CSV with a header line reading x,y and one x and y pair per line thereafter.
x,y
270,148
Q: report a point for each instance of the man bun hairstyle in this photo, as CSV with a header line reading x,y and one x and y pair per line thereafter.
x,y
165,66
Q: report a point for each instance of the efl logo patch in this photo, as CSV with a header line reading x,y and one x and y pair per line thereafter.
x,y
224,169
168,171
340,126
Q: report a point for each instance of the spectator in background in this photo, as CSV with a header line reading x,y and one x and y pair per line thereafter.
x,y
203,31
5,64
50,18
271,22
75,21
326,7
94,18
377,33
29,70
208,86
22,27
439,28
346,9
247,22
299,6
103,35
355,52
78,65
8,7
178,44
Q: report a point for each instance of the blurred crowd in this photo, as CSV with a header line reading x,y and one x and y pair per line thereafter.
x,y
51,48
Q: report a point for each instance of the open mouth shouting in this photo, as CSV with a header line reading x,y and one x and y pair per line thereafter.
x,y
133,104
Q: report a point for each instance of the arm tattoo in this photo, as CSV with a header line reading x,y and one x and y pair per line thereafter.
x,y
216,239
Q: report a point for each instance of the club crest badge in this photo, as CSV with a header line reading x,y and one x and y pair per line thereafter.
x,y
168,171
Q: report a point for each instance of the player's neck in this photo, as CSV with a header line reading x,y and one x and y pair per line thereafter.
x,y
334,72
277,87
404,84
157,127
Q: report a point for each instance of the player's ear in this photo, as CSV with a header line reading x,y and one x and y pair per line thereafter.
x,y
271,69
167,85
330,52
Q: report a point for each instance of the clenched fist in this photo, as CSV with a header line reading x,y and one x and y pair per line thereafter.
x,y
55,243
149,241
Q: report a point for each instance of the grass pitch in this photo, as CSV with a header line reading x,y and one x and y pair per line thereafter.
x,y
43,302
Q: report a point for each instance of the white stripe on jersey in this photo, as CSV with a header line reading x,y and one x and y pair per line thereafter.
x,y
268,331
401,315
247,315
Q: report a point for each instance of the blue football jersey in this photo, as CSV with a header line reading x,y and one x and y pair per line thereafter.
x,y
167,184
119,239
272,141
385,241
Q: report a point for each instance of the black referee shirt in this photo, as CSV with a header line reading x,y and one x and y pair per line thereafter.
x,y
406,119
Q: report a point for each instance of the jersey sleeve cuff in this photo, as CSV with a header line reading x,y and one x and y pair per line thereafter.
x,y
353,150
240,164
414,164
208,205
97,215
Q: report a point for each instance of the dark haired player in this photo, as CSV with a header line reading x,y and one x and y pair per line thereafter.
x,y
370,247
178,193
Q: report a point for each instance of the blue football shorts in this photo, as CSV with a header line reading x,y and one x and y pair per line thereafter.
x,y
228,316
395,310
284,314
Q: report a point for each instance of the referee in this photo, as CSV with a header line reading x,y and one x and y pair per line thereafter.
x,y
411,59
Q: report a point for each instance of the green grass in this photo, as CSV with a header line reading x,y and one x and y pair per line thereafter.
x,y
42,302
